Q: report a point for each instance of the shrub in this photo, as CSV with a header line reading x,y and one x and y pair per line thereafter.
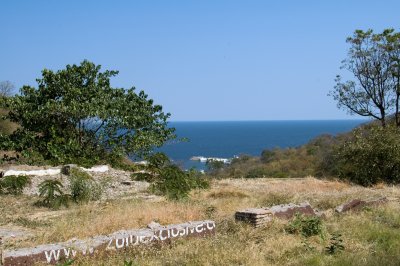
x,y
83,187
51,192
306,226
214,165
173,183
197,179
155,163
256,173
242,158
335,244
176,184
370,156
14,184
142,176
267,156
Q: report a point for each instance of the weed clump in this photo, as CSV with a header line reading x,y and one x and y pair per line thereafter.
x,y
335,244
176,184
306,226
82,186
14,184
168,179
52,195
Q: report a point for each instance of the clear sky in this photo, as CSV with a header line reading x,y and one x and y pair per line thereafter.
x,y
201,60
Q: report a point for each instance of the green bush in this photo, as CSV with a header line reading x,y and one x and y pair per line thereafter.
x,y
335,244
197,179
267,156
176,184
14,184
306,226
83,187
150,171
214,165
51,192
370,156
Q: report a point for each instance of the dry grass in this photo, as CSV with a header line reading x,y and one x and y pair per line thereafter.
x,y
370,236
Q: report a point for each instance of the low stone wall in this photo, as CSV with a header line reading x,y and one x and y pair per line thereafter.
x,y
118,241
260,216
53,171
357,204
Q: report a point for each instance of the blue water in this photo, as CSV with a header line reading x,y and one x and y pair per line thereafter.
x,y
227,139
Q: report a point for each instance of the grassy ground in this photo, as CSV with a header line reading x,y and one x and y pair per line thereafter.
x,y
370,236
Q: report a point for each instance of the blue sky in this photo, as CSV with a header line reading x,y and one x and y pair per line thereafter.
x,y
201,60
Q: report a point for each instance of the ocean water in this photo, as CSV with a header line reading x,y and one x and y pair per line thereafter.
x,y
228,139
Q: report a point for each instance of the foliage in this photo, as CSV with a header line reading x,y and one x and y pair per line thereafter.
x,y
370,156
14,184
335,244
68,262
241,158
176,184
214,165
75,116
6,126
267,156
374,60
306,226
129,263
51,192
150,171
173,182
83,187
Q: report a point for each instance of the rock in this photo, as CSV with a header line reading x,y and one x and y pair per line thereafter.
x,y
287,211
259,216
66,169
357,204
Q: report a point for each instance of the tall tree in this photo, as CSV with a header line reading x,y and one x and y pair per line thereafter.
x,y
373,59
75,113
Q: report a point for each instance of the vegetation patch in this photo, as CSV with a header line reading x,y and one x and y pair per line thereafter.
x,y
14,184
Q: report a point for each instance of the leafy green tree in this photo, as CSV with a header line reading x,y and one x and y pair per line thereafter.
x,y
76,116
373,59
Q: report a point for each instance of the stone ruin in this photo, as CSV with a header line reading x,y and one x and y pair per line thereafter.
x,y
357,204
260,216
118,241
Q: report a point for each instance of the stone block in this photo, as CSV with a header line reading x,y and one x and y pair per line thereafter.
x,y
118,241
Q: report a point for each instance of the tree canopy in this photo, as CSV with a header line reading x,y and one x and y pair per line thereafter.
x,y
373,59
75,113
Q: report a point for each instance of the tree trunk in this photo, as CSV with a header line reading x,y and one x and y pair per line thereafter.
x,y
383,117
397,110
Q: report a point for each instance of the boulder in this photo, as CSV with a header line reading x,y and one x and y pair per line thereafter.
x,y
357,204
